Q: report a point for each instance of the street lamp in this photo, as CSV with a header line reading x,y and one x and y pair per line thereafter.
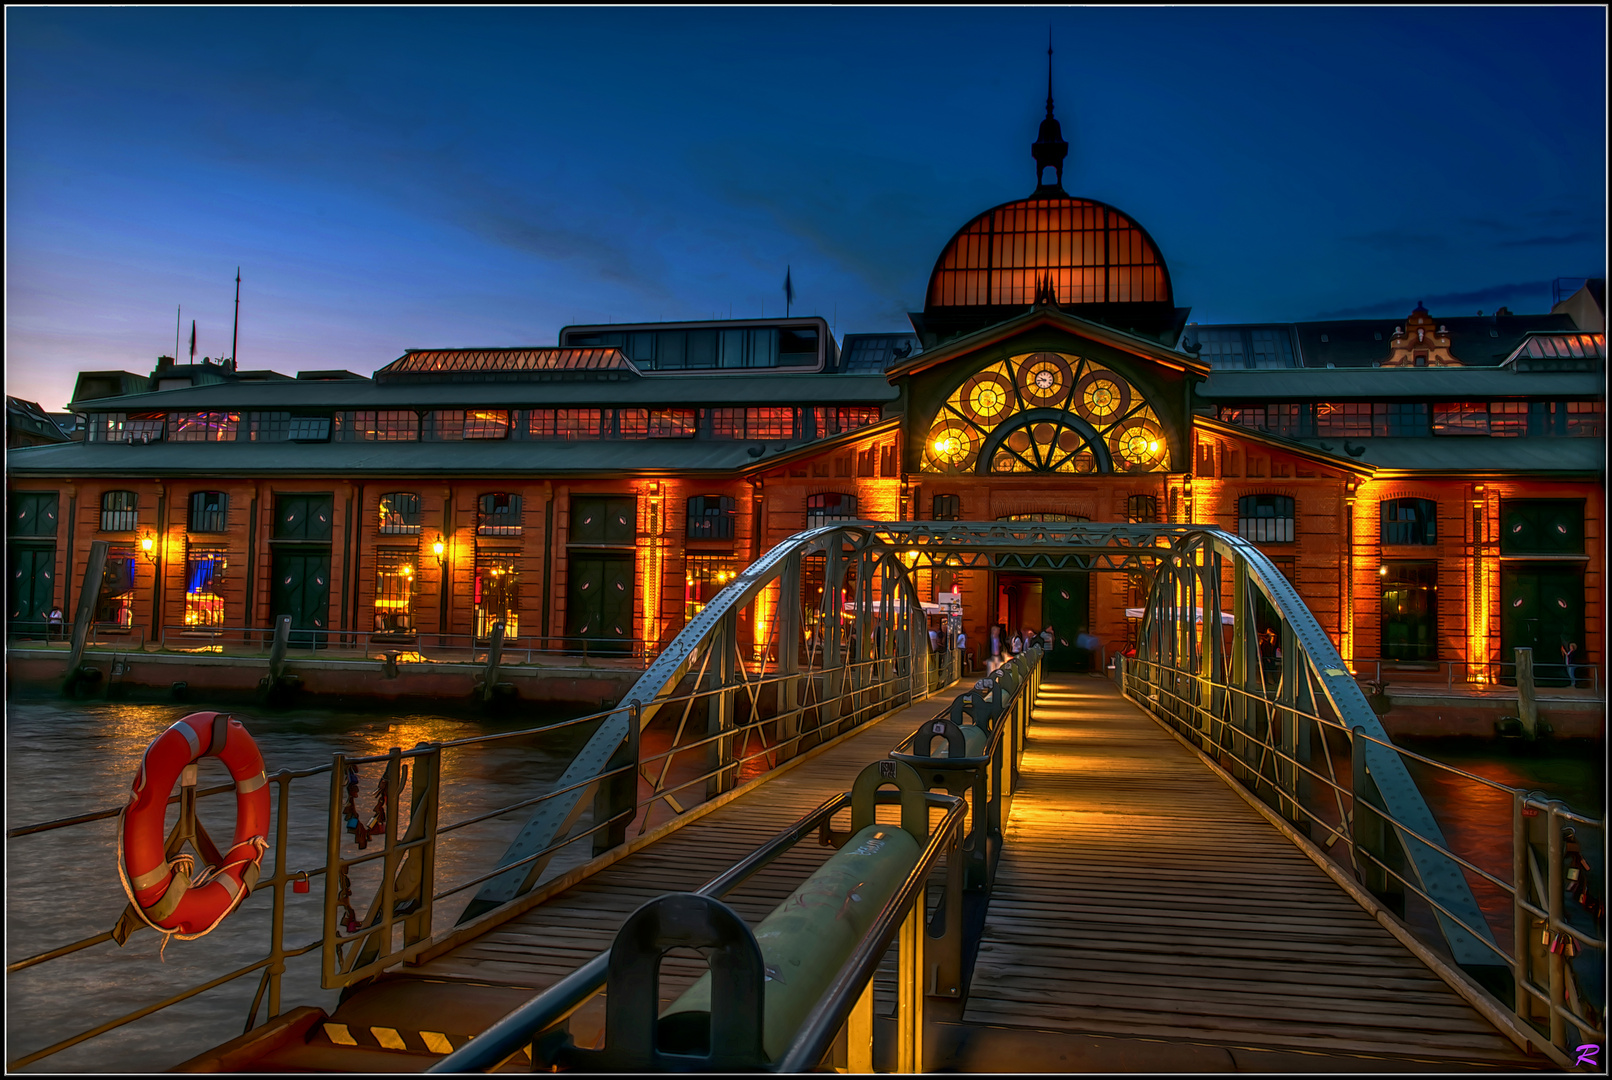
x,y
438,549
148,548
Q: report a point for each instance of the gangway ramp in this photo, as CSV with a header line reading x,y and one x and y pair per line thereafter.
x,y
424,1009
1140,897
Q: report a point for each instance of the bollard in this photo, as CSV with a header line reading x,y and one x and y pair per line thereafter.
x,y
88,594
1527,706
807,938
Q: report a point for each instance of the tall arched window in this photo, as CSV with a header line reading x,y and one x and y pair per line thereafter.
x,y
710,517
946,508
119,511
1410,521
829,506
1266,519
499,514
400,514
209,512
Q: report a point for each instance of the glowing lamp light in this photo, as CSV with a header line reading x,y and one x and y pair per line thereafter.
x,y
1153,447
1382,571
438,549
148,545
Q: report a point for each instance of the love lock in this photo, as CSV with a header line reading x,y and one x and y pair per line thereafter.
x,y
300,883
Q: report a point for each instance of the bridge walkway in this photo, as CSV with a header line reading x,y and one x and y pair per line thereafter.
x,y
1139,897
463,990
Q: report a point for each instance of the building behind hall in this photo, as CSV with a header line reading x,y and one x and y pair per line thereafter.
x,y
1432,484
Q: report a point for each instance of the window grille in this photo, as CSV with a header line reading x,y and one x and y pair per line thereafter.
x,y
1461,418
378,425
445,425
496,593
710,517
486,424
1586,419
119,511
203,426
1348,419
395,569
1398,419
564,423
1265,519
1142,509
500,515
209,512
268,426
829,506
777,423
204,587
946,508
114,607
703,577
1508,419
309,429
1409,521
121,427
400,514
672,423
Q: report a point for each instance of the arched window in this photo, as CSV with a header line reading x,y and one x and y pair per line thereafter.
x,y
499,514
209,512
1410,521
118,511
1142,509
1046,412
1265,519
947,508
400,514
829,506
710,517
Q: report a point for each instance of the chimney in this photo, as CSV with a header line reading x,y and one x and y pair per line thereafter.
x,y
164,362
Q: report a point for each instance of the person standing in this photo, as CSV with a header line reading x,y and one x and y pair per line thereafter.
x,y
963,658
1018,644
1569,651
996,649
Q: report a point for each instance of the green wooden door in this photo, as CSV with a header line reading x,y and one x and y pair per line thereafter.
x,y
301,589
599,603
31,588
1066,607
1542,608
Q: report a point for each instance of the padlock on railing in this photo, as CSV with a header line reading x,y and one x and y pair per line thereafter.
x,y
300,883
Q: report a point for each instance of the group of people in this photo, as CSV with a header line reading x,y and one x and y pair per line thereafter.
x,y
1002,645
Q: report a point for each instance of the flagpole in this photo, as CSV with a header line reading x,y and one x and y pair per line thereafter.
x,y
177,310
235,335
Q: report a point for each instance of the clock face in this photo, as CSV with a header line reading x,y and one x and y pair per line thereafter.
x,y
1044,379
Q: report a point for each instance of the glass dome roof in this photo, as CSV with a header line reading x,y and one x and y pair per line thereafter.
x,y
1090,253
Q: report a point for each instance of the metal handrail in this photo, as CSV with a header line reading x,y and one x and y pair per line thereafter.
x,y
375,643
1554,997
518,1029
1487,672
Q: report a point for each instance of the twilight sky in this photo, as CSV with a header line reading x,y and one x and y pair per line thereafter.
x,y
414,177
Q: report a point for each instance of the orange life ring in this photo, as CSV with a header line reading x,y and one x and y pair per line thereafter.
x,y
162,891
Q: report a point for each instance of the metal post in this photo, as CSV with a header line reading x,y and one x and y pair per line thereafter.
x,y
859,1034
1521,920
1553,905
88,595
495,656
910,990
330,965
788,691
282,638
1527,707
394,776
282,832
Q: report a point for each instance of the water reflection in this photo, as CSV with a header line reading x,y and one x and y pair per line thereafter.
x,y
66,759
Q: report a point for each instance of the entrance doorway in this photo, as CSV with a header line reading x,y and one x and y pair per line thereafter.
x,y
599,604
302,590
1062,601
1542,608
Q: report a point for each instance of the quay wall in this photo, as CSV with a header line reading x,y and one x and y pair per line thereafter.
x,y
353,680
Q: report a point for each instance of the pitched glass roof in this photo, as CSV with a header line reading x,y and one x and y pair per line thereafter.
x,y
419,361
1561,346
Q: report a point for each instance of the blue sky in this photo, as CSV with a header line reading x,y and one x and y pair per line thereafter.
x,y
414,177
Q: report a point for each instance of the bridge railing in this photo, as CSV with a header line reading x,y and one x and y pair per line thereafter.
x,y
848,1005
1234,662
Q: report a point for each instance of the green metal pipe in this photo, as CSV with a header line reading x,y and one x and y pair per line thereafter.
x,y
806,939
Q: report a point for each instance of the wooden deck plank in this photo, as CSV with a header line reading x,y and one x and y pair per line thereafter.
x,y
1138,896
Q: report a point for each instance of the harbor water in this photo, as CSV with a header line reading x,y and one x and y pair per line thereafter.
x,y
67,758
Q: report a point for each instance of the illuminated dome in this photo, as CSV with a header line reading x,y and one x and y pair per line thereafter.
x,y
1087,251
